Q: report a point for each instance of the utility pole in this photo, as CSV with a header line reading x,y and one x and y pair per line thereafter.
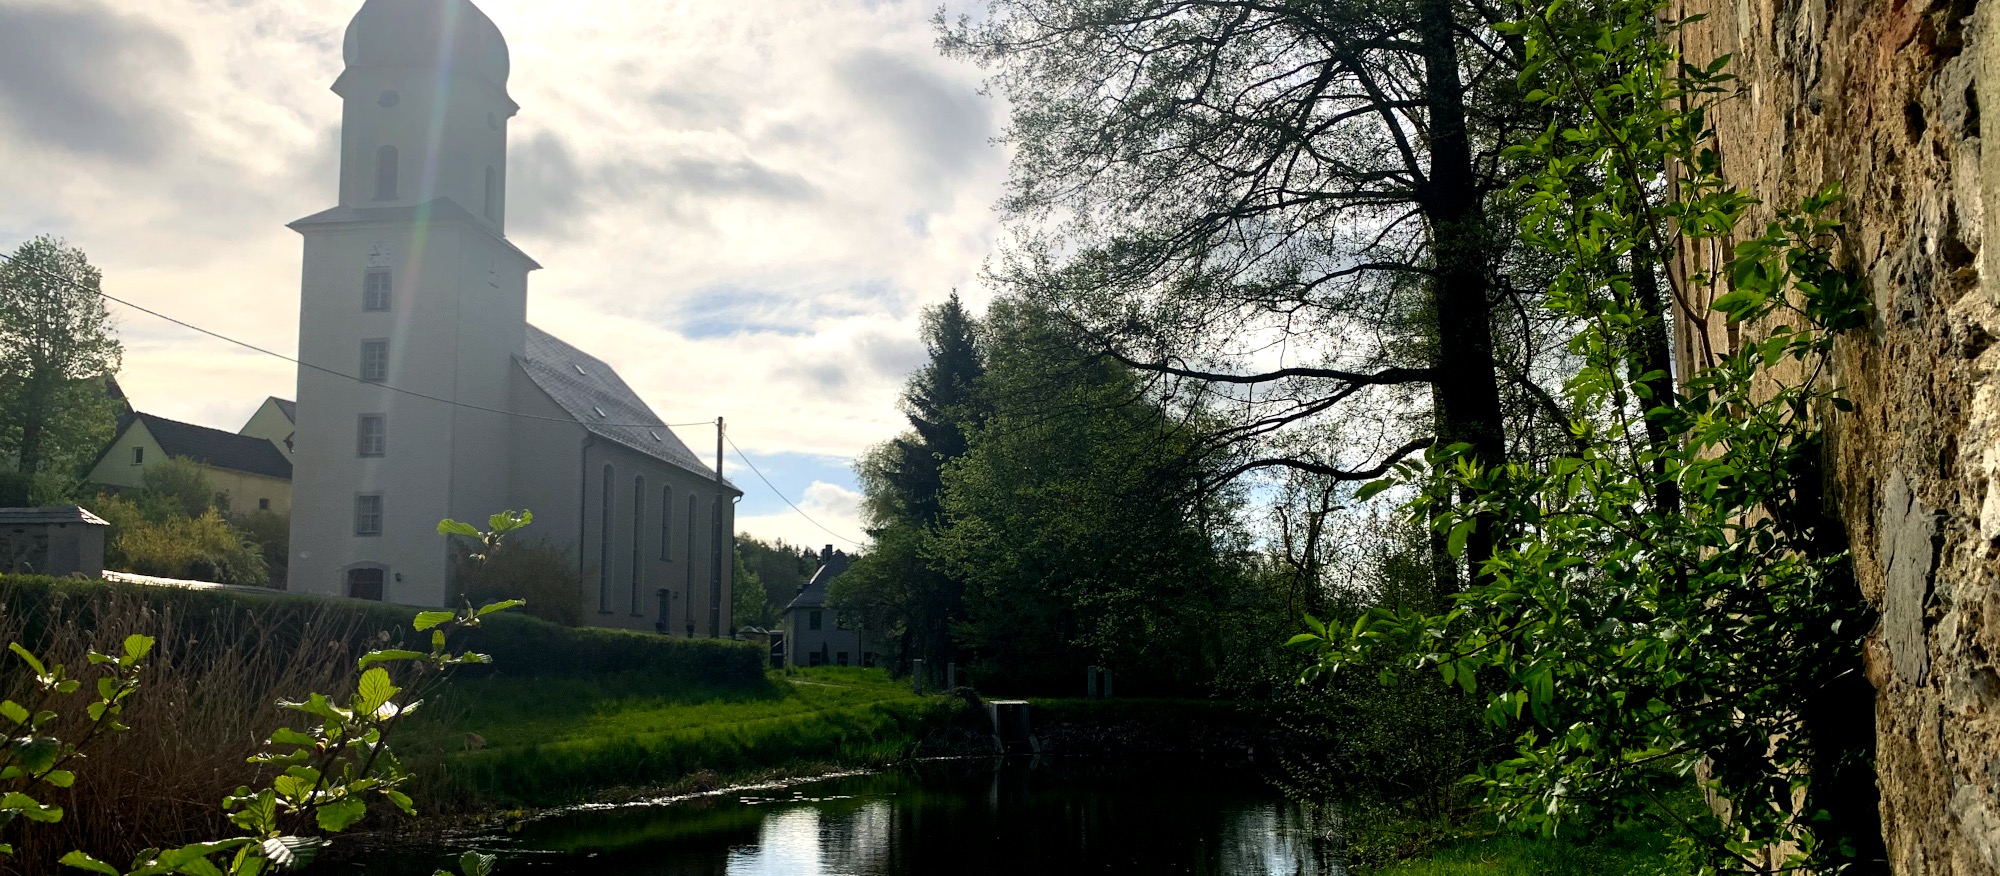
x,y
715,546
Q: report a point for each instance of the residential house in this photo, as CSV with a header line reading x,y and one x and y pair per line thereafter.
x,y
814,633
254,472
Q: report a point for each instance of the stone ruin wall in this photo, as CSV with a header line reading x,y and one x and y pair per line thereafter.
x,y
1885,98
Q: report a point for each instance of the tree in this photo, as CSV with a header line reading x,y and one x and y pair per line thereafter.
x,y
1076,524
750,602
56,349
784,568
1288,205
178,486
896,590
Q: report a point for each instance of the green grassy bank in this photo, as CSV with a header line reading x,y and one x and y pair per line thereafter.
x,y
564,712
542,743
1632,851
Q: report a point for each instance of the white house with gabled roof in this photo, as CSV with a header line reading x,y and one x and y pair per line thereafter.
x,y
427,394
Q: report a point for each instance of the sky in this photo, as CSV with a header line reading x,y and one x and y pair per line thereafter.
x,y
741,205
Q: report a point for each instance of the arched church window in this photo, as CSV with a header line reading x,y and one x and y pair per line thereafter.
x,y
492,193
667,523
385,173
692,509
604,543
638,538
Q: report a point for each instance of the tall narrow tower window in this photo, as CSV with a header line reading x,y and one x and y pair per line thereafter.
x,y
604,543
385,173
372,437
638,539
375,289
368,514
375,361
492,193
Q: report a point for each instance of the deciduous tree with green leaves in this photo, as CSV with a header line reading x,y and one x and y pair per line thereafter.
x,y
1671,599
57,347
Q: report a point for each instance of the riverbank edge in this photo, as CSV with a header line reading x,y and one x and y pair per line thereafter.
x,y
950,728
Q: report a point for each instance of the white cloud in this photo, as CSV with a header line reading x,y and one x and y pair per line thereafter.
x,y
742,206
834,507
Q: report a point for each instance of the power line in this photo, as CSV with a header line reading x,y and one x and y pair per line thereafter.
x,y
269,352
781,494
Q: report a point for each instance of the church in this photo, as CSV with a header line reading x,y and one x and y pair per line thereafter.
x,y
425,393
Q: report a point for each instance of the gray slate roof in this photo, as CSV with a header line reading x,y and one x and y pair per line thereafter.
x,y
215,447
590,391
289,408
813,595
49,514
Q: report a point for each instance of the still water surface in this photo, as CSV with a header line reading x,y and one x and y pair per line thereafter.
x,y
1012,817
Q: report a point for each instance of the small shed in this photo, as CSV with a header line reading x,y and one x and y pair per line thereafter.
x,y
56,540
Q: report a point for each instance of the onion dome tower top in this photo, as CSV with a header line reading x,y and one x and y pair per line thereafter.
x,y
425,108
450,37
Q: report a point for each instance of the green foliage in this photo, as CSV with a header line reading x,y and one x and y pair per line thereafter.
x,y
547,744
1382,753
324,772
204,548
174,527
1669,594
57,348
34,758
542,573
1076,521
177,486
526,646
902,595
750,601
271,532
1633,851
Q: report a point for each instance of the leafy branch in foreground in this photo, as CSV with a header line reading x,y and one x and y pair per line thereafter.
x,y
1665,600
328,770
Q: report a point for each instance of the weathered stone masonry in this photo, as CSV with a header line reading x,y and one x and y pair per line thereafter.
x,y
1885,97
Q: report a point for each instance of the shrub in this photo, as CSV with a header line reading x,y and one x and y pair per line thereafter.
x,y
204,548
181,485
536,571
272,533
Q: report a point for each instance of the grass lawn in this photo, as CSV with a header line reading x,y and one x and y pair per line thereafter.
x,y
530,711
1632,851
546,742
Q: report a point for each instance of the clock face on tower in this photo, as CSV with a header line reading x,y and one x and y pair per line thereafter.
x,y
378,256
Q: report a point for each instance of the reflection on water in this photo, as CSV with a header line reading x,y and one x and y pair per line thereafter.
x,y
973,817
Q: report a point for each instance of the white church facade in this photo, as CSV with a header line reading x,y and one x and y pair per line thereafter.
x,y
433,397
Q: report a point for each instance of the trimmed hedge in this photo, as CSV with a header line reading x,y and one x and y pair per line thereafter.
x,y
520,645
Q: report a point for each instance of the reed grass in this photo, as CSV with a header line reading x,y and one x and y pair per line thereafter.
x,y
207,703
224,659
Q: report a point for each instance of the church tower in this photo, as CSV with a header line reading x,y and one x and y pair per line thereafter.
x,y
412,308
